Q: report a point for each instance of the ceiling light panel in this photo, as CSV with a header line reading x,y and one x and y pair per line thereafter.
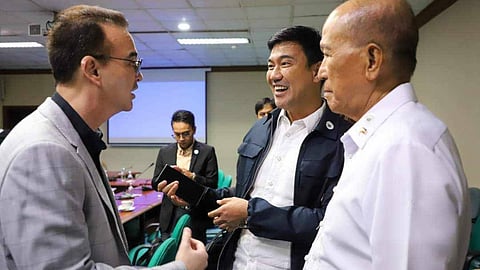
x,y
4,45
212,41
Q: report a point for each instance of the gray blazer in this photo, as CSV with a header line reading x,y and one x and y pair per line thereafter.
x,y
56,210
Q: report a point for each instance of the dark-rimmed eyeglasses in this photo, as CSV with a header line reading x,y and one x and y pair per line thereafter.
x,y
185,134
136,63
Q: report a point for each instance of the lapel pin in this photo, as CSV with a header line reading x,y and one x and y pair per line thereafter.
x,y
195,151
329,125
363,131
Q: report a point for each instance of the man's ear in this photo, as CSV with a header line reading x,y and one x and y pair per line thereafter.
x,y
89,67
375,60
316,71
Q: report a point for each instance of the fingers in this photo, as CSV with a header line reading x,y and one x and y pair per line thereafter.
x,y
192,252
161,185
171,189
213,213
186,235
178,201
177,168
197,245
217,212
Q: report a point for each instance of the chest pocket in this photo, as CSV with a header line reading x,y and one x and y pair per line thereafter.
x,y
249,150
248,155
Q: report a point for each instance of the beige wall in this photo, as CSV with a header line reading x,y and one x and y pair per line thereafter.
x,y
447,80
230,112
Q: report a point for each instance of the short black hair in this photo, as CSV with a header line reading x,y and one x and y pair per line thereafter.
x,y
307,37
183,116
262,102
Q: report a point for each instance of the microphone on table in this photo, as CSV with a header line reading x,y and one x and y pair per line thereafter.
x,y
146,182
146,169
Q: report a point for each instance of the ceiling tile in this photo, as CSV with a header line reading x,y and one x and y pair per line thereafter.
x,y
158,20
221,13
269,12
163,4
214,3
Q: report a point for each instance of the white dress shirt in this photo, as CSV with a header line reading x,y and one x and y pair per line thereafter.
x,y
402,201
275,183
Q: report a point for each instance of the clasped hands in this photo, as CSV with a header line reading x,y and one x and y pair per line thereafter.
x,y
231,214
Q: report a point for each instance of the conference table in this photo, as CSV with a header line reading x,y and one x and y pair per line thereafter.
x,y
146,206
145,199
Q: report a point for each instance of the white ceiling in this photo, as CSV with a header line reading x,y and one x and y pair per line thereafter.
x,y
153,24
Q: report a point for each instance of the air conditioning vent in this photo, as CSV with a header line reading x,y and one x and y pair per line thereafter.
x,y
34,30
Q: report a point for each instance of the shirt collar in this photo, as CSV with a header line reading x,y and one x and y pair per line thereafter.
x,y
92,139
310,121
185,152
357,136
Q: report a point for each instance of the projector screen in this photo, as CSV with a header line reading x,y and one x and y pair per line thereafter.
x,y
159,95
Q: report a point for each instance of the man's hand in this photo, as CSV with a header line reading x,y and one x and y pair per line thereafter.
x,y
192,252
231,214
170,190
187,173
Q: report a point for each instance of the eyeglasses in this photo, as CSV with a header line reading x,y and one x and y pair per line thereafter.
x,y
185,134
136,63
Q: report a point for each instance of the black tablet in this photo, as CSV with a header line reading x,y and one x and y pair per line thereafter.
x,y
188,190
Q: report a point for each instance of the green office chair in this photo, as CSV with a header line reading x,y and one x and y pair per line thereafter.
x,y
138,252
165,253
221,176
227,181
159,252
473,256
178,229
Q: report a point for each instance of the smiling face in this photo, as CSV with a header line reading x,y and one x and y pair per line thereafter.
x,y
292,81
120,78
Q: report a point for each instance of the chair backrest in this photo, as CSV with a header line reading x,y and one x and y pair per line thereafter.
x,y
221,176
475,234
136,253
178,229
227,181
165,253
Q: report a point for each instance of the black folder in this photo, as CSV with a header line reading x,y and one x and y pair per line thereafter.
x,y
188,190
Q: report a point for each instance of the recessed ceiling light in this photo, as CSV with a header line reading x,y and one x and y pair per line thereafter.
x,y
184,26
210,41
20,45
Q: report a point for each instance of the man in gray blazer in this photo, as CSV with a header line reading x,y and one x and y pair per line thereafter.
x,y
56,207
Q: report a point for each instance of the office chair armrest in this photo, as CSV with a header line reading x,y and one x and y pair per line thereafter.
x,y
472,257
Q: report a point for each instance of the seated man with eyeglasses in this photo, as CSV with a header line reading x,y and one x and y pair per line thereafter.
x,y
195,160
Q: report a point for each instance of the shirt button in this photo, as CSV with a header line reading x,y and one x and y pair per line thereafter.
x,y
279,158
